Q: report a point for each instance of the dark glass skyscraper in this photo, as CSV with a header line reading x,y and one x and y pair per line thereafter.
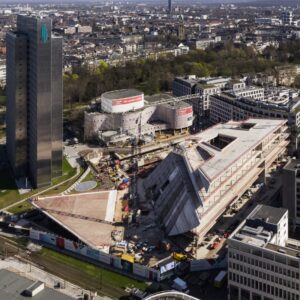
x,y
34,100
170,6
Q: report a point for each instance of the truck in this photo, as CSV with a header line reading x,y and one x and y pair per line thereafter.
x,y
180,285
220,279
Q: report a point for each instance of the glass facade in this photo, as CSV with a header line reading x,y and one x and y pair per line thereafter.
x,y
43,99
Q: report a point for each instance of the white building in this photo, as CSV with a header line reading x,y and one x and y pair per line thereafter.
x,y
263,263
192,187
122,101
2,74
70,30
84,29
250,92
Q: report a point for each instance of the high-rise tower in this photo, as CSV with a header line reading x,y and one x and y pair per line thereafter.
x,y
170,6
34,100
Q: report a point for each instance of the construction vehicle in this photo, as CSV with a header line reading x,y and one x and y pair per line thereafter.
x,y
179,256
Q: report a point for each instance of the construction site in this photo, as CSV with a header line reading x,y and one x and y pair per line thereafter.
x,y
156,207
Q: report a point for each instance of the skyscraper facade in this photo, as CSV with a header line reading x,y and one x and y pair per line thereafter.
x,y
34,100
170,6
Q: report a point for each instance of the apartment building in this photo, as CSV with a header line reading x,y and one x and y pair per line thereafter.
x,y
263,263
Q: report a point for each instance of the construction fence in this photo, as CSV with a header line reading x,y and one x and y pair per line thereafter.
x,y
95,254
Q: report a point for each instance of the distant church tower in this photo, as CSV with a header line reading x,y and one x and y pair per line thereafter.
x,y
180,30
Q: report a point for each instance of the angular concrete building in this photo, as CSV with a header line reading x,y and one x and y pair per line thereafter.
x,y
194,185
34,100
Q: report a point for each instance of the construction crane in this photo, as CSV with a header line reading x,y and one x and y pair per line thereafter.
x,y
67,214
135,151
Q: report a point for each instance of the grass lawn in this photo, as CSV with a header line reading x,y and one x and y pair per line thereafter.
x,y
2,131
91,177
109,277
84,274
67,172
2,100
8,189
9,193
61,188
21,208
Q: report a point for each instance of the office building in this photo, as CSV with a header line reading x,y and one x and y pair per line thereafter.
x,y
205,87
34,100
170,6
291,191
228,106
263,262
196,182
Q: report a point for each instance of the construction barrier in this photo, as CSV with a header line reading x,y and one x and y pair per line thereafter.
x,y
124,264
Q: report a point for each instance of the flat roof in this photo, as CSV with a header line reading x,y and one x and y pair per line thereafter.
x,y
79,213
292,165
269,213
157,98
120,94
283,250
12,285
176,105
220,160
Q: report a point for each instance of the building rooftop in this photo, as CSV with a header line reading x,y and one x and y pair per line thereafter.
x,y
157,98
176,105
179,182
270,214
119,94
78,213
261,228
293,165
225,143
283,250
12,286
